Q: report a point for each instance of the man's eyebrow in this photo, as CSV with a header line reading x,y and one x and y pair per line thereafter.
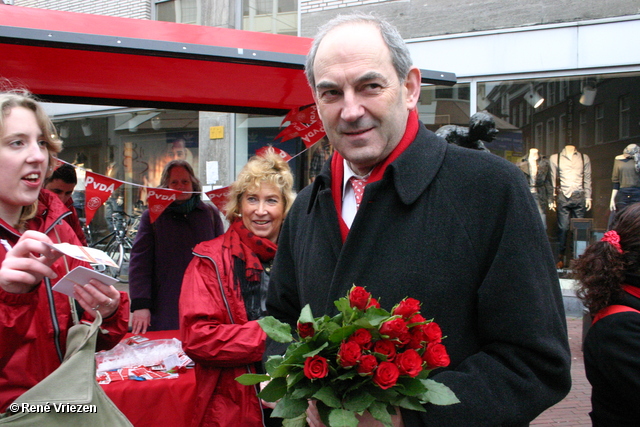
x,y
366,77
371,75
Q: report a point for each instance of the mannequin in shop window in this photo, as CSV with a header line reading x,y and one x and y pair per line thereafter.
x,y
537,170
571,174
625,178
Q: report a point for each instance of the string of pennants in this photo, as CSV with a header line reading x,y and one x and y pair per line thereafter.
x,y
304,123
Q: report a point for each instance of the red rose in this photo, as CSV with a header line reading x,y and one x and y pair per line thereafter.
x,y
386,375
349,354
417,319
417,338
306,329
409,363
316,367
432,332
436,356
368,363
386,348
362,337
373,303
359,297
407,308
395,328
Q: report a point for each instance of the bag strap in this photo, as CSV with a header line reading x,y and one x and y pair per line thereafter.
x,y
612,309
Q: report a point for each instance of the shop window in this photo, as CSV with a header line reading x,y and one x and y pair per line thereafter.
x,y
625,116
180,11
551,94
521,114
539,134
551,135
562,130
584,135
599,124
271,16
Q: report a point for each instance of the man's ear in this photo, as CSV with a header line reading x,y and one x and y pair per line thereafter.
x,y
412,86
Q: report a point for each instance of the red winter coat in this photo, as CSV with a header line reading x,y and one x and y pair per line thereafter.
x,y
218,337
29,348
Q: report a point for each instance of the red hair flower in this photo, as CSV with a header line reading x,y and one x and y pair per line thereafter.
x,y
613,238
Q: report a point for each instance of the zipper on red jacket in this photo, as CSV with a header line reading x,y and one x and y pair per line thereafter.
x,y
54,318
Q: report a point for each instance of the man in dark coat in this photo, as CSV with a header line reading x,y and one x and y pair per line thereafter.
x,y
451,227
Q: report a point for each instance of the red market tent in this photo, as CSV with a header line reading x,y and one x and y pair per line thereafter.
x,y
94,59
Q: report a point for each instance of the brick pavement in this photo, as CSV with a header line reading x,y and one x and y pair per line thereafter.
x,y
573,410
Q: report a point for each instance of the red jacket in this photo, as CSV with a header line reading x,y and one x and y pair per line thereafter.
x,y
218,337
31,340
74,222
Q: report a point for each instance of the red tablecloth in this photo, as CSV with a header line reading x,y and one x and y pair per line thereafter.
x,y
156,402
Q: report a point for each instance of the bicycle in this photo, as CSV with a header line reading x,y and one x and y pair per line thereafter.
x,y
117,244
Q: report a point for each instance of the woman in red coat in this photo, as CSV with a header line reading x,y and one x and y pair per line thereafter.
x,y
34,319
224,294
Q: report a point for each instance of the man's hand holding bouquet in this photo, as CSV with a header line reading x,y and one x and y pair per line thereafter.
x,y
363,359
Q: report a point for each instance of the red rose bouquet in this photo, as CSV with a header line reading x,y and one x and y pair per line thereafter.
x,y
362,359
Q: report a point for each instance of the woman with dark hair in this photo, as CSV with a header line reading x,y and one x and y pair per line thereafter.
x,y
609,286
224,294
162,250
34,318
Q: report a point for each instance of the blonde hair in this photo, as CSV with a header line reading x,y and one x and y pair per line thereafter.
x,y
23,98
269,168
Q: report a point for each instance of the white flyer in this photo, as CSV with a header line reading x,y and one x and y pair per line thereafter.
x,y
83,253
81,276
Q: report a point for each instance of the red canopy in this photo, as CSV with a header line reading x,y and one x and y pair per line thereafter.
x,y
94,59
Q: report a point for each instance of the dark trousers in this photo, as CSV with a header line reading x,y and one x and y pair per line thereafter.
x,y
572,207
627,196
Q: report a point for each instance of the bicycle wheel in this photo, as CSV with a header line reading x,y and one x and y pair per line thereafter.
x,y
116,251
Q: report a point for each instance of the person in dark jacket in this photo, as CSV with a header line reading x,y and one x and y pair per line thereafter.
x,y
162,250
36,319
454,228
62,182
224,294
608,274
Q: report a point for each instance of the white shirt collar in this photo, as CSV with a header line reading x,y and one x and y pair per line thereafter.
x,y
348,173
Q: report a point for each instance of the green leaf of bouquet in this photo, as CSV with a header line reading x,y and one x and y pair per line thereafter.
x,y
343,306
299,421
411,386
290,408
357,401
343,333
375,316
347,375
342,418
328,396
277,331
412,403
379,411
251,379
438,393
294,378
305,392
272,366
275,390
306,316
316,351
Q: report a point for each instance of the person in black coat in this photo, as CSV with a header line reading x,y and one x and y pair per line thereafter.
x,y
455,228
609,285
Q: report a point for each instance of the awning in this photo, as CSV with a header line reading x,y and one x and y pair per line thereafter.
x,y
93,59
